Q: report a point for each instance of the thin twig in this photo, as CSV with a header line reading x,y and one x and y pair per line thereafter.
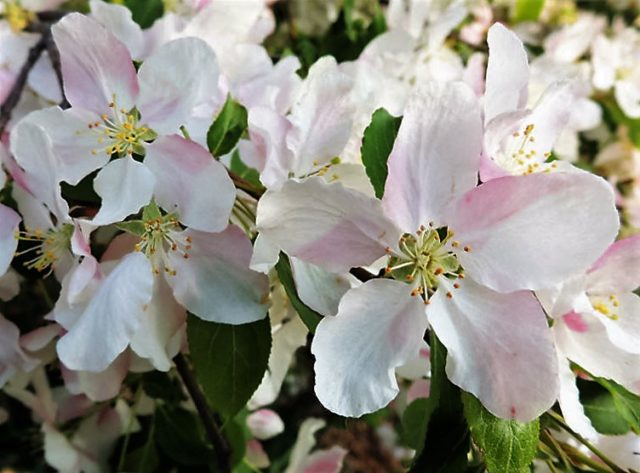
x,y
54,57
220,444
21,81
245,185
559,421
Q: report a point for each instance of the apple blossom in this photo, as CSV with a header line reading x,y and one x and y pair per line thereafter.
x,y
428,224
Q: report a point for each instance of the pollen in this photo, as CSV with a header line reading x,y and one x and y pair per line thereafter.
x,y
45,248
423,259
162,237
119,132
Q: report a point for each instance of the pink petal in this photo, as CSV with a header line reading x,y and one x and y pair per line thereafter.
x,y
96,66
436,160
12,357
618,269
499,347
325,461
190,182
325,224
265,424
522,230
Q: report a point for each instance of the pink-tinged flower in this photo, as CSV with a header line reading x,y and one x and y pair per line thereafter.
x,y
517,140
116,112
139,301
320,461
597,324
473,253
615,65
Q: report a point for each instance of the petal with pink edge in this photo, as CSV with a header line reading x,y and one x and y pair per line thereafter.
x,y
325,224
618,269
499,347
76,149
521,231
379,327
111,318
9,222
215,282
95,71
12,357
507,73
584,340
325,461
433,160
178,76
125,186
265,424
190,182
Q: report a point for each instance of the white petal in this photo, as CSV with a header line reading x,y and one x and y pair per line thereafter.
x,y
379,327
176,78
112,317
162,319
215,282
624,331
125,186
569,400
318,288
436,160
264,424
9,222
584,340
322,117
119,21
499,347
507,73
618,269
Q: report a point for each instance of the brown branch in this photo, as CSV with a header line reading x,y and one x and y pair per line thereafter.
x,y
21,81
245,185
209,418
54,57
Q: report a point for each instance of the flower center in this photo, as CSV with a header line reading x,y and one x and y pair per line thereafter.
x,y
17,16
520,156
607,307
162,236
120,132
424,258
47,248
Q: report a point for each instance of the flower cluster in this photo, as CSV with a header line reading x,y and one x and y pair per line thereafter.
x,y
211,209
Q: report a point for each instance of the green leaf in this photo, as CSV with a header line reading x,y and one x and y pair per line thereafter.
x,y
377,144
309,316
414,427
180,436
446,445
159,385
238,167
508,446
627,404
600,407
145,12
145,458
134,227
229,360
227,128
526,10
